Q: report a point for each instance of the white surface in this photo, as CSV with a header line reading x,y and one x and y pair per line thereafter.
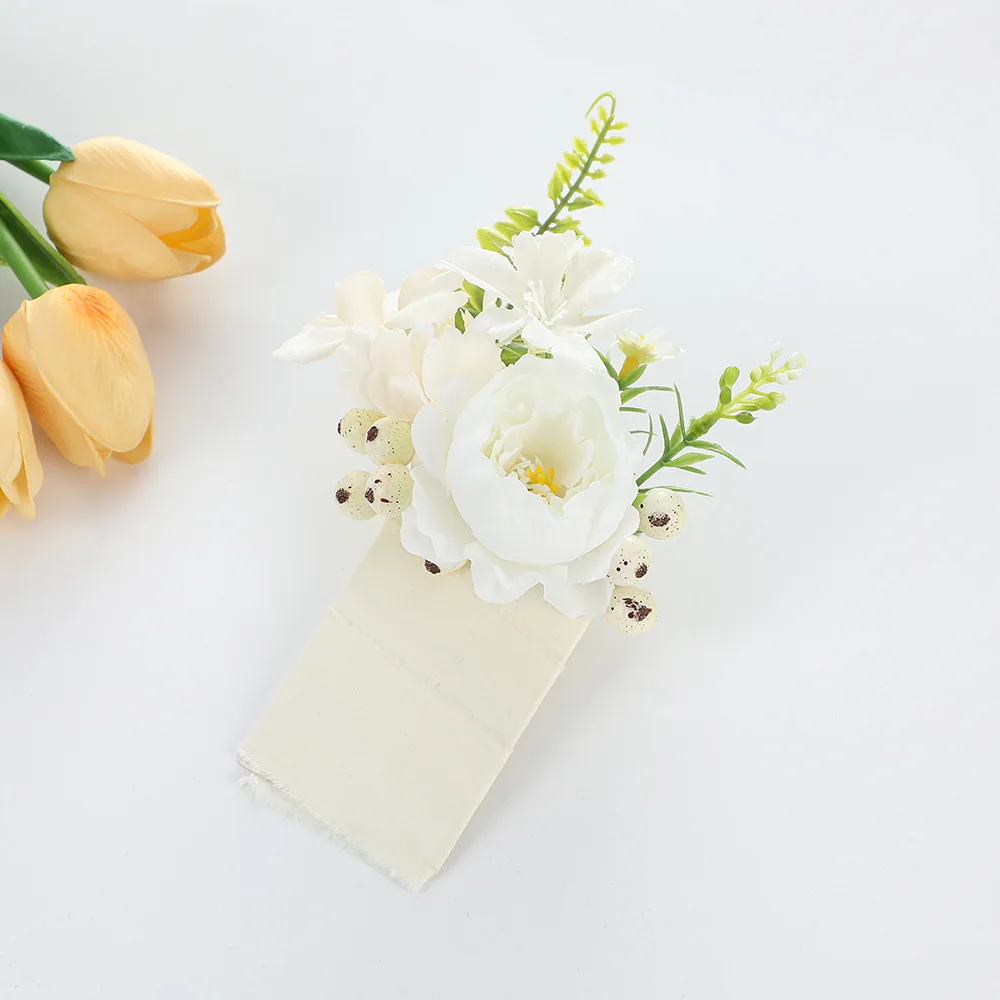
x,y
789,789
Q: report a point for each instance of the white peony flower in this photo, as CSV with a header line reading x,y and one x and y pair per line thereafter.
x,y
526,475
551,283
379,337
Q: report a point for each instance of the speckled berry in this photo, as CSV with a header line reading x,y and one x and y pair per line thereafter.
x,y
661,513
631,562
351,495
390,490
632,610
388,442
353,427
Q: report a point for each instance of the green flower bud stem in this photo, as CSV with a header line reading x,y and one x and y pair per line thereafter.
x,y
58,269
38,169
18,261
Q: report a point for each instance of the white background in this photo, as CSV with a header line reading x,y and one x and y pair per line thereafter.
x,y
788,790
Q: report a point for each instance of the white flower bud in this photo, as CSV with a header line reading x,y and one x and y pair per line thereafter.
x,y
353,427
390,490
797,360
632,610
389,442
631,562
661,513
351,495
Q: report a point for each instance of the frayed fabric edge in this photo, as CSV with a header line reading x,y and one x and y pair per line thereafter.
x,y
269,792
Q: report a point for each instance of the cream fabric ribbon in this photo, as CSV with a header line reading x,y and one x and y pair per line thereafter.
x,y
404,708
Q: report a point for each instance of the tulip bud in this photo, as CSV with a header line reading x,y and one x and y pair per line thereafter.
x,y
85,375
20,470
125,211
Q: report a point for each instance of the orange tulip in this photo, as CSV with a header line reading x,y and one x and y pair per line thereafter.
x,y
20,470
125,211
85,375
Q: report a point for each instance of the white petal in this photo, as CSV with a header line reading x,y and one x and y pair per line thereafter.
x,y
498,323
318,339
360,299
417,543
544,261
490,271
456,366
594,564
496,581
594,277
437,518
431,438
437,308
576,600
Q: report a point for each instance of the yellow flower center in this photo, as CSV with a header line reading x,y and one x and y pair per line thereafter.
x,y
540,480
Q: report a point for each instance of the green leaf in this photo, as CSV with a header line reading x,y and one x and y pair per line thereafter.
x,y
666,435
709,446
614,140
563,171
684,461
649,440
475,294
490,240
607,364
523,218
19,141
633,376
745,418
597,174
573,160
684,489
555,186
565,225
681,426
592,195
640,389
507,229
580,145
631,409
577,203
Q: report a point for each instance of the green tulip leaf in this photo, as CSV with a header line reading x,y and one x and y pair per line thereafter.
x,y
26,142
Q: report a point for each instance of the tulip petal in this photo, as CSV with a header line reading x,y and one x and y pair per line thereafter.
x,y
112,163
28,479
140,452
71,440
84,372
4,504
10,448
97,237
158,216
212,246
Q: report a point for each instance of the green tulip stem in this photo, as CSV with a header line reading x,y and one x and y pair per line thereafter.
x,y
18,261
61,271
38,169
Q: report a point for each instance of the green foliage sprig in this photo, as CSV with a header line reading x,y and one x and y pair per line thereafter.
x,y
584,162
685,447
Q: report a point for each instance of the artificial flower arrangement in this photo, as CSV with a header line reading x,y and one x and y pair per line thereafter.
x,y
505,414
72,357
